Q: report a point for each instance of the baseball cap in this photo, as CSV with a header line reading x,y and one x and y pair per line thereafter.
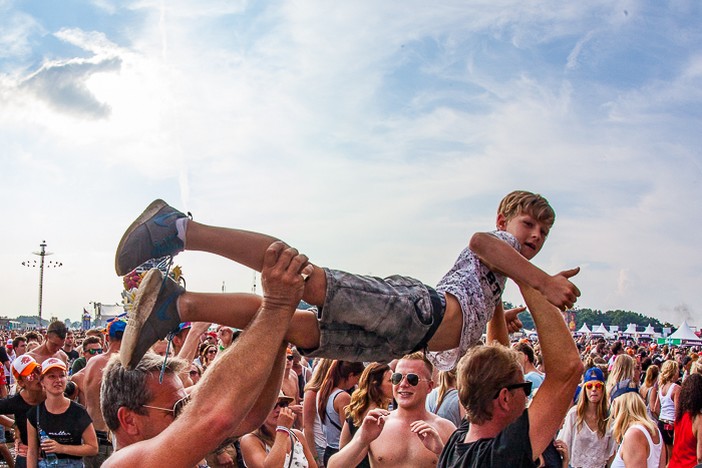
x,y
52,363
116,325
593,373
184,326
23,366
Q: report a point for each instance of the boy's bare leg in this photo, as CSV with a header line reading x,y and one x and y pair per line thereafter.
x,y
238,309
247,248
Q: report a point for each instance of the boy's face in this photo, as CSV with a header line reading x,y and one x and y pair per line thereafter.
x,y
530,233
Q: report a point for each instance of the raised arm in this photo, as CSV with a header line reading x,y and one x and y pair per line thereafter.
x,y
501,257
356,450
231,387
563,370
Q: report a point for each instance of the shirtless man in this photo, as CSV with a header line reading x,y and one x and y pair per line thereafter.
x,y
407,437
89,383
290,387
51,348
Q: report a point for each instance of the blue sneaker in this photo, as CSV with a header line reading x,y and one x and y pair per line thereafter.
x,y
153,316
152,235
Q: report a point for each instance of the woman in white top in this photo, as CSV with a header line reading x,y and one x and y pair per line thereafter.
x,y
275,443
641,444
666,401
586,429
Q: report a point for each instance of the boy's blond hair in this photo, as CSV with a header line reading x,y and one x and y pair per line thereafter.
x,y
533,204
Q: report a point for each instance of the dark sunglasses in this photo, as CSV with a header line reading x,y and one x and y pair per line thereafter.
x,y
282,404
94,351
526,386
177,406
412,379
194,372
290,358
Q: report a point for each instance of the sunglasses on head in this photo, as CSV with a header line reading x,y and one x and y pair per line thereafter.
x,y
177,406
94,351
282,404
412,379
594,384
526,386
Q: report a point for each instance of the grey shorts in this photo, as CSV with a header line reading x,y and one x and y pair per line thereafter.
x,y
372,319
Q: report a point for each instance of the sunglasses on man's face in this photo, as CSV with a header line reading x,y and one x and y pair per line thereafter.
x,y
177,406
94,351
526,386
412,379
282,404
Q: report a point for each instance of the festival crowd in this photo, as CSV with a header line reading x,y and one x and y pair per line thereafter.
x,y
378,373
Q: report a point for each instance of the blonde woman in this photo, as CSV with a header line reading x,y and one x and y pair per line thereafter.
x,y
666,402
443,400
649,387
586,430
310,417
621,376
640,442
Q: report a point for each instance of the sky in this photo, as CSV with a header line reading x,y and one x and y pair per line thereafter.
x,y
376,137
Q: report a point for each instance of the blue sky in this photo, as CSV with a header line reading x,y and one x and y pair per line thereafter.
x,y
375,136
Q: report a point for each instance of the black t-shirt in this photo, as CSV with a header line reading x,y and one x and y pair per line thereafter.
x,y
511,448
365,463
72,355
3,355
65,428
17,406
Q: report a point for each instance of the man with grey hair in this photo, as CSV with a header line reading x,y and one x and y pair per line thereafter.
x,y
233,397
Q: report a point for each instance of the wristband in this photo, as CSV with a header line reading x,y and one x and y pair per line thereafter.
x,y
282,429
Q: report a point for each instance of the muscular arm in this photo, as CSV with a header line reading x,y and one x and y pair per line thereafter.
x,y
231,386
501,257
563,370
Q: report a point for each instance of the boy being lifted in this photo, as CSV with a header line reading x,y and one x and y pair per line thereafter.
x,y
359,318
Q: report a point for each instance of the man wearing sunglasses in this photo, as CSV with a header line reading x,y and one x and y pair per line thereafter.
x,y
233,397
410,436
494,393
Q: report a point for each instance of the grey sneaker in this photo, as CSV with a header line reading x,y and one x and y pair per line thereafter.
x,y
152,235
153,316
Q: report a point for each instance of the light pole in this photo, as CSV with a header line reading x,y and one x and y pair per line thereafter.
x,y
42,264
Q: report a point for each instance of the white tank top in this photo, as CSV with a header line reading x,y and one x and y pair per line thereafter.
x,y
667,404
654,452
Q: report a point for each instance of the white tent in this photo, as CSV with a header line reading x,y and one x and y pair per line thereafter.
x,y
601,330
584,330
648,331
685,335
630,329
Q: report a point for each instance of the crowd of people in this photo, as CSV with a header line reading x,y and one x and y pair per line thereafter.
x,y
380,372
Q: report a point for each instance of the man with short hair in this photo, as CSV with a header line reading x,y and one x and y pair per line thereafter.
x,y
20,345
51,348
531,373
492,389
410,436
68,347
92,346
235,395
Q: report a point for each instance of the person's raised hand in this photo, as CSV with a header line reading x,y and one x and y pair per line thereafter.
x,y
286,417
512,319
428,435
559,291
372,425
283,276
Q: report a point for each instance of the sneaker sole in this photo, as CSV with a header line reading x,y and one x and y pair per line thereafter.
x,y
148,213
146,300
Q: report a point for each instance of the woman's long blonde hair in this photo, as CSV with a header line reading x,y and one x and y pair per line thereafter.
x,y
369,393
320,370
627,410
670,372
602,411
623,369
